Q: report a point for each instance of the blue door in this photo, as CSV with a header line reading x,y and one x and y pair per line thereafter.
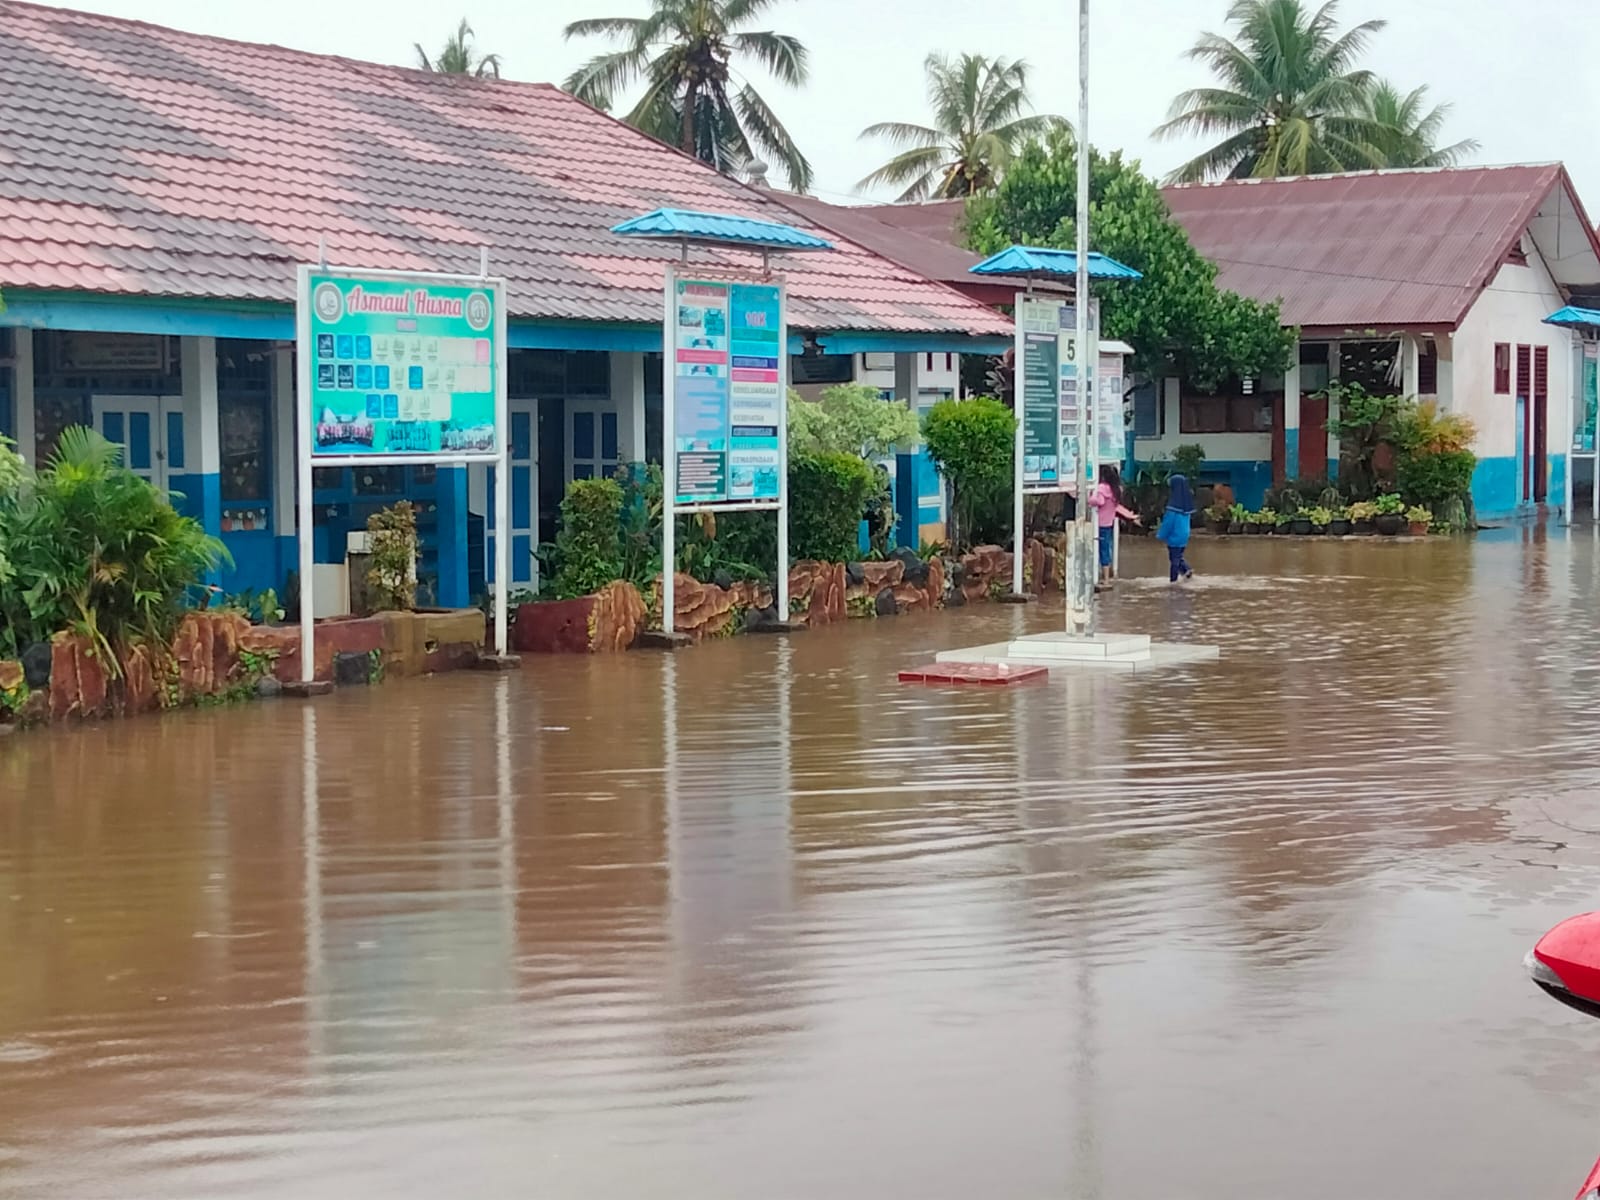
x,y
150,431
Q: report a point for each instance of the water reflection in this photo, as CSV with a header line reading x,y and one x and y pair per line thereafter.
x,y
758,920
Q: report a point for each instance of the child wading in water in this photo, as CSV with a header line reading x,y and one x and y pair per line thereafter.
x,y
1106,500
1174,530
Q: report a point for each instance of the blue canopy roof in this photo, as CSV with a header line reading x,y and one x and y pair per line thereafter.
x,y
1038,260
1574,316
681,224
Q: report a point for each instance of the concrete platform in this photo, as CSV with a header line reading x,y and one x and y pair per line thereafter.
x,y
660,639
498,662
1103,652
302,689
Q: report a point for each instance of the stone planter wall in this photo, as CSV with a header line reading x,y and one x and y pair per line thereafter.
x,y
608,621
217,655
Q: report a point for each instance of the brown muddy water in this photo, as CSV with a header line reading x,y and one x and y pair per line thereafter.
x,y
758,921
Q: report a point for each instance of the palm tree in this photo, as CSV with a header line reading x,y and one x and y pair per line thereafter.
x,y
1291,97
693,98
1408,131
458,57
980,117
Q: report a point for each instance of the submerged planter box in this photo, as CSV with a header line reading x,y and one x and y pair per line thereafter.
x,y
608,621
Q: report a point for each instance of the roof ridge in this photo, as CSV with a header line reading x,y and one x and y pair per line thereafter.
x,y
1473,169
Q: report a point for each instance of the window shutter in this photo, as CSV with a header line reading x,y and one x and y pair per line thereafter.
x,y
1502,369
1524,370
1428,370
1541,372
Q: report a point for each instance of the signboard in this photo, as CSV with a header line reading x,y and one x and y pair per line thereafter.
x,y
1583,433
112,353
726,345
1074,357
1110,422
1038,385
403,365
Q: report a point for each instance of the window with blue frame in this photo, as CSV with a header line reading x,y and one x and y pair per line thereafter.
x,y
69,367
244,425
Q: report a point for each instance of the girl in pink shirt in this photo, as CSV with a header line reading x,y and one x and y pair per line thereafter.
x,y
1106,500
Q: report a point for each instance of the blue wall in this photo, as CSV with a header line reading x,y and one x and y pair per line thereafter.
x,y
1497,487
1248,479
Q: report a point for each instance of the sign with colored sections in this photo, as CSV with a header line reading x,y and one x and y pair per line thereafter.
x,y
1110,423
1038,382
1077,359
726,349
1584,433
403,365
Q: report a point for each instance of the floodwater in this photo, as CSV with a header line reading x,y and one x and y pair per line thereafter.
x,y
757,921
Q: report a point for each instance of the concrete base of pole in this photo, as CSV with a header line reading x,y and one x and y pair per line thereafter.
x,y
1083,565
304,689
498,662
776,627
660,639
1018,598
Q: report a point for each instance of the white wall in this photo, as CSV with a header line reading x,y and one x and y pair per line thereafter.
x,y
877,370
1511,310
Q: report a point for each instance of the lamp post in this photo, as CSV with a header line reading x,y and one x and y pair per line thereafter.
x,y
1083,552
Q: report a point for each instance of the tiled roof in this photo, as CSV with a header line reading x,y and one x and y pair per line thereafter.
x,y
139,160
1389,248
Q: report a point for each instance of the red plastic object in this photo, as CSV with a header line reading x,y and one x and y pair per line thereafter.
x,y
1572,951
989,674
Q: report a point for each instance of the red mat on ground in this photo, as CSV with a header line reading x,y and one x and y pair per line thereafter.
x,y
992,674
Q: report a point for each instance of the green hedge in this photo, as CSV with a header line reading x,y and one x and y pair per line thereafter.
x,y
828,493
973,442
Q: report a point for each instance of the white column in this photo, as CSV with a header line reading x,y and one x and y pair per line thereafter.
x,y
627,394
22,394
1291,419
283,441
1410,364
1444,344
1333,402
201,434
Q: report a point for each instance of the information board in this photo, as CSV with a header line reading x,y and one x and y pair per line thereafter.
x,y
403,365
1075,361
1110,423
1038,383
1583,434
728,392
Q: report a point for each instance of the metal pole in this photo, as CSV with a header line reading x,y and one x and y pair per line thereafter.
x,y
669,451
1080,605
1019,411
782,580
303,530
502,476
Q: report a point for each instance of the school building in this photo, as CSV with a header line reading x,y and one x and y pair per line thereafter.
x,y
158,190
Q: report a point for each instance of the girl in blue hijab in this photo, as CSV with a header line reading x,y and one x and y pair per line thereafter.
x,y
1174,530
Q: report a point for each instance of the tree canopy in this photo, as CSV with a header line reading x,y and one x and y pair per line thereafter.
x,y
980,116
1291,99
459,57
683,53
1176,318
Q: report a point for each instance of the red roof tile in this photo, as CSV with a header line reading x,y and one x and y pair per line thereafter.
x,y
142,160
1387,248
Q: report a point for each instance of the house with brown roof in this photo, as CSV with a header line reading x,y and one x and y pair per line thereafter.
x,y
158,190
1429,283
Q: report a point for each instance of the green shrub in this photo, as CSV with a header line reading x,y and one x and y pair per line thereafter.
x,y
828,492
852,418
588,549
972,442
91,547
1431,478
392,565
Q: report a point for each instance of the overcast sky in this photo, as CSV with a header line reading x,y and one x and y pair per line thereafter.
x,y
1522,74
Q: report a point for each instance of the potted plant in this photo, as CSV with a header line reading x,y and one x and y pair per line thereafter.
x,y
1391,514
1218,516
1419,519
1280,522
1339,521
1238,516
1300,523
1321,518
1363,514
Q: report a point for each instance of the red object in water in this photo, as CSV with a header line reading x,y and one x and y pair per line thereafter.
x,y
1566,963
991,674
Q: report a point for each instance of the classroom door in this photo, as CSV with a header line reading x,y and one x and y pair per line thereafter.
x,y
593,445
524,467
148,428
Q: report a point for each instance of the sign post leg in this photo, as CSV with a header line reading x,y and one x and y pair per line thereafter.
x,y
305,534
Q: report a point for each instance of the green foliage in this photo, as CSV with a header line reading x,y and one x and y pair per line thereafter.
x,y
1176,318
1419,515
827,494
1188,459
1388,504
1365,423
588,549
691,57
980,112
850,418
392,564
91,547
459,57
259,607
973,442
1289,99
